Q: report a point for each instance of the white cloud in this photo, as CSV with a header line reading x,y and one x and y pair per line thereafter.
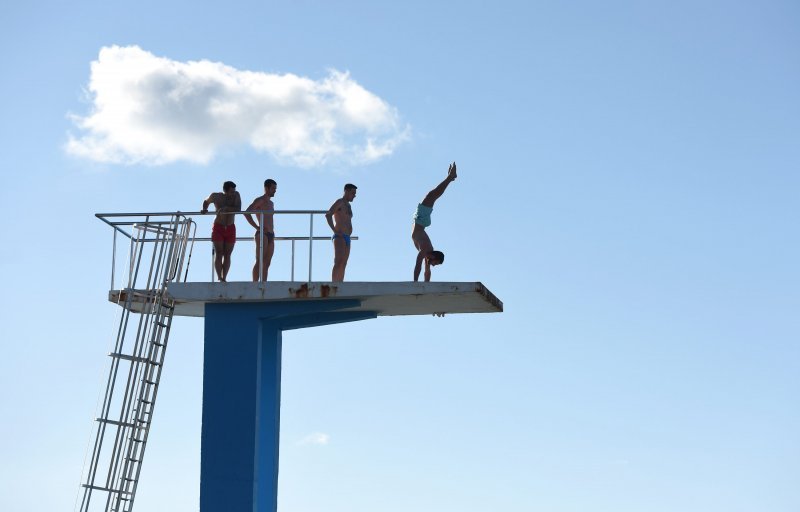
x,y
317,438
153,110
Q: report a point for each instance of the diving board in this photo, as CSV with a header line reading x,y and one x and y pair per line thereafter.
x,y
382,298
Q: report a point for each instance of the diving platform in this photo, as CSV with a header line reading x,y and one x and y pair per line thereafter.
x,y
381,298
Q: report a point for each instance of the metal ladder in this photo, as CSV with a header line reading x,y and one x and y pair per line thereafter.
x,y
157,253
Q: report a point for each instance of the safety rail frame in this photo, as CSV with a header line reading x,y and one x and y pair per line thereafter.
x,y
119,228
160,253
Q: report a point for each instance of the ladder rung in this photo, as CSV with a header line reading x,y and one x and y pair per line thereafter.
x,y
98,488
133,358
156,343
162,324
115,422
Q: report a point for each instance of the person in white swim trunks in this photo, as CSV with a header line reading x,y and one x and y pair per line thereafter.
x,y
422,219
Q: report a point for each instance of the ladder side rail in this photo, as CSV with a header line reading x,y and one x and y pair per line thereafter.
x,y
123,438
176,250
186,248
191,232
141,405
154,375
143,390
166,269
135,265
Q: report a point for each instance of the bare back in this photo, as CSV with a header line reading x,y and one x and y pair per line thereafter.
x,y
342,216
225,202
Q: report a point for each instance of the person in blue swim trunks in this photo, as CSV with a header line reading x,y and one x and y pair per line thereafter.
x,y
422,219
340,219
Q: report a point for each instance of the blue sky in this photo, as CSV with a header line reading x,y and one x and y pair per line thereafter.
x,y
628,182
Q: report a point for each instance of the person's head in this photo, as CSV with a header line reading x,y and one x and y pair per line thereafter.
x,y
229,187
436,258
350,191
270,186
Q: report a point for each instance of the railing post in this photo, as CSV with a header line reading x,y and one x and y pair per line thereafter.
x,y
261,247
292,260
310,243
113,258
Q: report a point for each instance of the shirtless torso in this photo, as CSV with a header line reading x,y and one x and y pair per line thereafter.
x,y
342,217
225,202
265,204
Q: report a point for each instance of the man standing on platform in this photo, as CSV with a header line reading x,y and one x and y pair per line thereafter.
x,y
340,219
422,219
264,231
223,234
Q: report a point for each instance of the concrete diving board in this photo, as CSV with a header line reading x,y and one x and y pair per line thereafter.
x,y
381,298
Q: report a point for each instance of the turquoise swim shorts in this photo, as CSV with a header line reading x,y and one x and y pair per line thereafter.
x,y
423,215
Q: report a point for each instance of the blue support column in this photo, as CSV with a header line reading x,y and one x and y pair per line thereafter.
x,y
241,397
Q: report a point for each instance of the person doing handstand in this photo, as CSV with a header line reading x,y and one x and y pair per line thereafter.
x,y
265,231
223,233
422,219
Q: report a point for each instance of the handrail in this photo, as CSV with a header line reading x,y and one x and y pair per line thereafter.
x,y
119,221
164,214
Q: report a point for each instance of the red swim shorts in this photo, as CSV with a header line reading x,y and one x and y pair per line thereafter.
x,y
220,233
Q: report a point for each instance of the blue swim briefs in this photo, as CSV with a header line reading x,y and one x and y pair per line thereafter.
x,y
346,238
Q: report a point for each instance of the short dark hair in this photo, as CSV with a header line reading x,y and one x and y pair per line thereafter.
x,y
228,185
269,182
439,255
350,186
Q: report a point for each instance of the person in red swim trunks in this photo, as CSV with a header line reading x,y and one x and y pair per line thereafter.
x,y
223,234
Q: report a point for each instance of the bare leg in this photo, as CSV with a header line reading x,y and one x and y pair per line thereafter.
x,y
270,250
219,252
437,192
268,257
226,263
341,253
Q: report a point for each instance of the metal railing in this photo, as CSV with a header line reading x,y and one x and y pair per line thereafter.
x,y
125,224
160,251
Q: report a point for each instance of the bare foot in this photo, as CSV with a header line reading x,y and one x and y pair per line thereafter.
x,y
451,172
